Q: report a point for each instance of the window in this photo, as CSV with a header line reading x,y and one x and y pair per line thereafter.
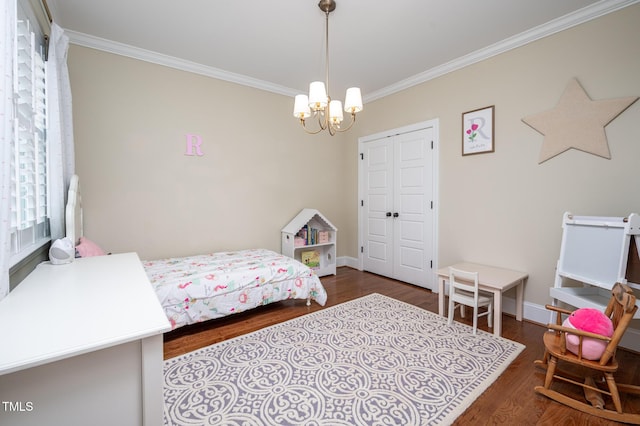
x,y
29,165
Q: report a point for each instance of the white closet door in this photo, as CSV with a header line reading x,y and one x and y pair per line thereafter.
x,y
412,227
397,221
378,203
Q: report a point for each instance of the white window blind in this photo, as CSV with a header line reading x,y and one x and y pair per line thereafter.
x,y
29,200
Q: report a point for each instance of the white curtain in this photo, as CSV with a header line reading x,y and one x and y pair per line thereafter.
x,y
7,30
59,130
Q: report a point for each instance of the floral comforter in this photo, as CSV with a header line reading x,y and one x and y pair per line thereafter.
x,y
198,288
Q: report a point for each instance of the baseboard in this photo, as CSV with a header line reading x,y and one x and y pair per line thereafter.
x,y
531,312
351,262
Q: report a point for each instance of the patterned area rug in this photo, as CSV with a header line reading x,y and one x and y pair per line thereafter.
x,y
373,360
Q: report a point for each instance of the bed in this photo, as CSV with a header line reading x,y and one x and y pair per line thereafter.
x,y
198,288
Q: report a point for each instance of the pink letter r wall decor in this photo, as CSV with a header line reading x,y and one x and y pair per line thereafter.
x,y
194,141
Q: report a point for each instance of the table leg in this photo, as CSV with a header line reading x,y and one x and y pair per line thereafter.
x,y
441,297
519,300
152,380
497,312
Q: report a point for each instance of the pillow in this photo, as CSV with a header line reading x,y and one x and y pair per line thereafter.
x,y
88,248
591,320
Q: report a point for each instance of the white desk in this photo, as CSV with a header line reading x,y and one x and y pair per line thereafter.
x,y
83,341
493,280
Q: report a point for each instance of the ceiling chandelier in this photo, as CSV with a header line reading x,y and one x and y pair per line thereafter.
x,y
319,103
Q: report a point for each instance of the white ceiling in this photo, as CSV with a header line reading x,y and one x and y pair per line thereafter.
x,y
278,45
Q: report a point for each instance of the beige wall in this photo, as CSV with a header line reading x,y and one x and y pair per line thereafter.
x,y
141,193
504,208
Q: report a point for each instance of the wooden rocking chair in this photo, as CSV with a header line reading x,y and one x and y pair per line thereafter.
x,y
621,308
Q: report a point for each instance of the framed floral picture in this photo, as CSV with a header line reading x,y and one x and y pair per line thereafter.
x,y
477,131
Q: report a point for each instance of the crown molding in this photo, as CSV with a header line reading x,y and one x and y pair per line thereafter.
x,y
121,49
552,27
588,13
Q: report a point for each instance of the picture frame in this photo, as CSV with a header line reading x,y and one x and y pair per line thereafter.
x,y
478,131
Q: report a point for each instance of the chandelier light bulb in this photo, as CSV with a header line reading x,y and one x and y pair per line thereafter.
x,y
353,100
301,107
317,96
335,112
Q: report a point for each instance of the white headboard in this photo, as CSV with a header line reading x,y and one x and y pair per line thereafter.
x,y
73,211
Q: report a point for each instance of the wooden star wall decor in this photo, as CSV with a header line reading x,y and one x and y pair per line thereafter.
x,y
577,122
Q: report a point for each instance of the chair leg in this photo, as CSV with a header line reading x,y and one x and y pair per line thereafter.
x,y
544,361
451,309
462,311
490,315
475,320
551,369
615,396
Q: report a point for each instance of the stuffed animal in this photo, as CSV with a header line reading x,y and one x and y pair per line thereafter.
x,y
593,321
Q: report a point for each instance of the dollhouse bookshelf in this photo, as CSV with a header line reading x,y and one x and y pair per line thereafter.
x,y
309,234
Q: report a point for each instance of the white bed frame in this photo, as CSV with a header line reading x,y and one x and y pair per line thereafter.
x,y
73,211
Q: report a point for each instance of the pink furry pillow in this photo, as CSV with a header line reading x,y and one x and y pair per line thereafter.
x,y
591,320
88,248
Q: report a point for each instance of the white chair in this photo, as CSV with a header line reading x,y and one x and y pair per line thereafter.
x,y
464,291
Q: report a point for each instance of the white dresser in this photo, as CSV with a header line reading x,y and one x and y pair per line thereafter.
x,y
81,344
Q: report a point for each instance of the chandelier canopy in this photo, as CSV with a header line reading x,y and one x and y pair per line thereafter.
x,y
318,103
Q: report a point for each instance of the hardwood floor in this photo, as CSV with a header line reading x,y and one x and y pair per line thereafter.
x,y
510,400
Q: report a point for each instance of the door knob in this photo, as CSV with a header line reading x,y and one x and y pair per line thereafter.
x,y
396,214
388,214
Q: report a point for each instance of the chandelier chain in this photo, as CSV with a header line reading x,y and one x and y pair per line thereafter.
x,y
326,46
